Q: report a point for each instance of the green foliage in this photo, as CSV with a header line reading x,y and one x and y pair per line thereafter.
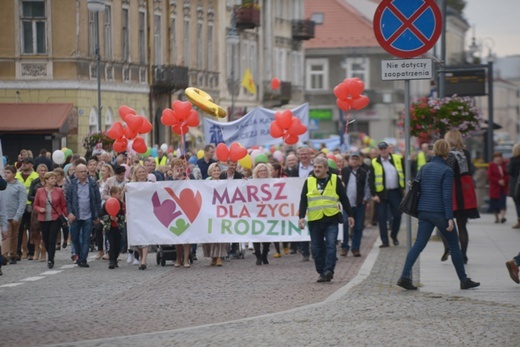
x,y
92,139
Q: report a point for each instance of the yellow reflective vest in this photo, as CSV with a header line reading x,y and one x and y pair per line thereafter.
x,y
378,172
421,160
162,161
27,183
324,204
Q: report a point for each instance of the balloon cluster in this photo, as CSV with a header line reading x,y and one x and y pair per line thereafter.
x,y
59,156
287,126
235,152
180,117
349,96
127,137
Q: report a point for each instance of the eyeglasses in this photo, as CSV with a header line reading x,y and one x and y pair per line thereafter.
x,y
82,171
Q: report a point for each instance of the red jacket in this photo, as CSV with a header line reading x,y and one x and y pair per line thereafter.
x,y
58,201
493,177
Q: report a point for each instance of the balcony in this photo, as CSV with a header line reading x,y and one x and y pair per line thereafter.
x,y
167,78
279,97
302,29
247,17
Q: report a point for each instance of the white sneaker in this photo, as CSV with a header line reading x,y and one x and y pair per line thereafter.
x,y
136,262
130,258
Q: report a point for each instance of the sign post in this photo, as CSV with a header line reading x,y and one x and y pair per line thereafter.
x,y
407,29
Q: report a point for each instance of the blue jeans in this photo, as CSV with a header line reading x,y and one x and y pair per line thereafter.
x,y
358,213
427,222
80,232
517,259
323,245
392,201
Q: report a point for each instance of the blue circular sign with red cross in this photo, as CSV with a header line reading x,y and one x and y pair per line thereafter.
x,y
407,28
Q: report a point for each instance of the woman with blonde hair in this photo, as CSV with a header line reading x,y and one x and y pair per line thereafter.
x,y
464,196
435,210
215,251
513,170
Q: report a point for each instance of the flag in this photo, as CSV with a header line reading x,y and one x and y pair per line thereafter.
x,y
248,83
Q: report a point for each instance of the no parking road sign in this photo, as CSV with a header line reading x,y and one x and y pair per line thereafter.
x,y
407,28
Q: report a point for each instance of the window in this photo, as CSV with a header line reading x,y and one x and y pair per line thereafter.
x,y
317,74
211,52
186,42
297,68
357,67
174,41
142,37
157,49
34,27
126,36
108,32
280,63
93,32
200,47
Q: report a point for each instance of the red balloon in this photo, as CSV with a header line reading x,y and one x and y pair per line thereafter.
x,y
275,83
112,206
361,102
139,145
115,131
134,122
356,87
297,128
181,129
193,119
284,119
291,139
332,156
343,104
275,130
124,111
222,152
129,133
236,151
182,109
146,127
168,117
341,91
120,145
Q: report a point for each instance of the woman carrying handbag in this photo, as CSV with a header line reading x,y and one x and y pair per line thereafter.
x,y
50,205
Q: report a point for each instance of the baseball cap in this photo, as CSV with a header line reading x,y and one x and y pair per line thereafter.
x,y
382,144
355,154
28,160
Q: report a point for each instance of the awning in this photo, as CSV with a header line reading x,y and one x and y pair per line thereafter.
x,y
34,118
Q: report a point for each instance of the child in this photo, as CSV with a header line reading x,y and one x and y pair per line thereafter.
x,y
113,227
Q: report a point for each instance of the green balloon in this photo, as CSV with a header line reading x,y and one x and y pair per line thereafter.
x,y
148,152
68,152
332,164
260,158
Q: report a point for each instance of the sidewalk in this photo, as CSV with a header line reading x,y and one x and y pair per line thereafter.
x,y
372,311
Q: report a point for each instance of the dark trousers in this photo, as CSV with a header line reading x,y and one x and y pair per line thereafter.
x,y
114,237
50,232
304,247
98,232
25,225
390,203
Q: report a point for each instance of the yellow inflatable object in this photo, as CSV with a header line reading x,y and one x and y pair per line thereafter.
x,y
246,162
203,100
200,153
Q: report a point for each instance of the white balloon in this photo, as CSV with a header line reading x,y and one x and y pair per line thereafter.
x,y
164,147
254,153
58,157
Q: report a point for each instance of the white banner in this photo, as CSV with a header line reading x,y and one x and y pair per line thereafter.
x,y
176,212
252,129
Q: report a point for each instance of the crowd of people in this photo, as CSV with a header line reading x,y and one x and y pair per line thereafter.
x,y
46,207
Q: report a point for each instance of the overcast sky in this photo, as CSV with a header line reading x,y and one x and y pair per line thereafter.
x,y
496,19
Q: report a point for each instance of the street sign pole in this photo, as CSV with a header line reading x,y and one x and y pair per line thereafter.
x,y
407,162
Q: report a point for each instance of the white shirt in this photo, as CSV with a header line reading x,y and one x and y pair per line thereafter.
x,y
391,176
304,171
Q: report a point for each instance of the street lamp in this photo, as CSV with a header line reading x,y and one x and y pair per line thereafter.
x,y
233,39
96,6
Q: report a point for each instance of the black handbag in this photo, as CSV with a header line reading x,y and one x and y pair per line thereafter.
x,y
64,221
410,203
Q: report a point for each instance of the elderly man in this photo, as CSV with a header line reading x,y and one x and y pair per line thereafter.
x,y
83,204
320,196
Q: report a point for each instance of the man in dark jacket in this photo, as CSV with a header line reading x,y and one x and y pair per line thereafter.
x,y
356,184
42,159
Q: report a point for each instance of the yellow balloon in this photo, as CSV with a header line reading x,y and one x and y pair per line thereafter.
x,y
246,162
64,149
200,153
203,100
325,150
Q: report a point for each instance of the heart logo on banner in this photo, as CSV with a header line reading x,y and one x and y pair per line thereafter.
x,y
165,211
188,201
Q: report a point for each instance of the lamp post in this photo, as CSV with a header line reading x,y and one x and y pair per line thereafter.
x,y
233,39
97,6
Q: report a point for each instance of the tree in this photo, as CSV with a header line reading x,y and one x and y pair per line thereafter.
x,y
457,5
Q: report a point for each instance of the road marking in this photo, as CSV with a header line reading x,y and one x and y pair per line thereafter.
x,y
70,266
10,285
32,279
52,272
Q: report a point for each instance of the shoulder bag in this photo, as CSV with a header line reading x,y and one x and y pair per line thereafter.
x,y
410,203
64,221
